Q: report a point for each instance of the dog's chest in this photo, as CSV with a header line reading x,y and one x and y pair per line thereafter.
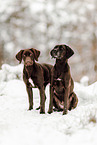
x,y
58,74
59,79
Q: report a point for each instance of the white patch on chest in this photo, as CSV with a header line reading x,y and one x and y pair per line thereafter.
x,y
58,79
31,81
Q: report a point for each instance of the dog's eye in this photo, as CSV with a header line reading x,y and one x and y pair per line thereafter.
x,y
61,48
30,54
55,48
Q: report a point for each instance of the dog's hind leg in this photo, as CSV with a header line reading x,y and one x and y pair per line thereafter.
x,y
73,101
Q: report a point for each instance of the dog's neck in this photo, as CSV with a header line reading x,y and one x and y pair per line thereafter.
x,y
30,70
61,66
61,63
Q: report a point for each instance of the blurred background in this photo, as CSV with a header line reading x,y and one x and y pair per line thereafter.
x,y
42,24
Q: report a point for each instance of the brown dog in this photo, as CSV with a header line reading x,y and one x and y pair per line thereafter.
x,y
38,73
62,95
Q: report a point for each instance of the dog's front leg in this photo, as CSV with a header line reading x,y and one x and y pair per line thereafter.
x,y
67,85
51,100
30,97
29,91
65,101
42,100
51,92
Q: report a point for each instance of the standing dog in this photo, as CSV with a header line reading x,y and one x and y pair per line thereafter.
x,y
38,73
62,95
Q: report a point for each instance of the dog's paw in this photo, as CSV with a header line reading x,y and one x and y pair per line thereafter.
x,y
50,111
65,112
30,108
57,110
38,108
42,111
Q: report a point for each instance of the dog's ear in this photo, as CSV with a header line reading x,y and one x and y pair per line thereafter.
x,y
36,53
19,55
69,52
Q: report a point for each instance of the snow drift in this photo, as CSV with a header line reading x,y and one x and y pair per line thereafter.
x,y
23,127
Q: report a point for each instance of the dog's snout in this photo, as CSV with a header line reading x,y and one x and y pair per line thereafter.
x,y
28,61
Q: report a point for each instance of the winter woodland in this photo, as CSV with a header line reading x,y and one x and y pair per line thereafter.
x,y
42,24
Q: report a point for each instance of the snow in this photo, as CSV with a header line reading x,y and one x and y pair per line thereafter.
x,y
18,126
10,72
84,80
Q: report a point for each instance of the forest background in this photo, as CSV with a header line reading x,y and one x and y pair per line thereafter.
x,y
42,24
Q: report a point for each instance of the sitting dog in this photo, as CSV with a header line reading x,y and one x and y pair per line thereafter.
x,y
62,95
38,73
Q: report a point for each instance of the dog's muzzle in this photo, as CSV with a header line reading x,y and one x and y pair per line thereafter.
x,y
28,63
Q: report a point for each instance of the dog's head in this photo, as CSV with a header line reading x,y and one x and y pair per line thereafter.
x,y
61,51
28,56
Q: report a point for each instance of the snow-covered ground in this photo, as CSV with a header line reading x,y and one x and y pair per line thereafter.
x,y
18,126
